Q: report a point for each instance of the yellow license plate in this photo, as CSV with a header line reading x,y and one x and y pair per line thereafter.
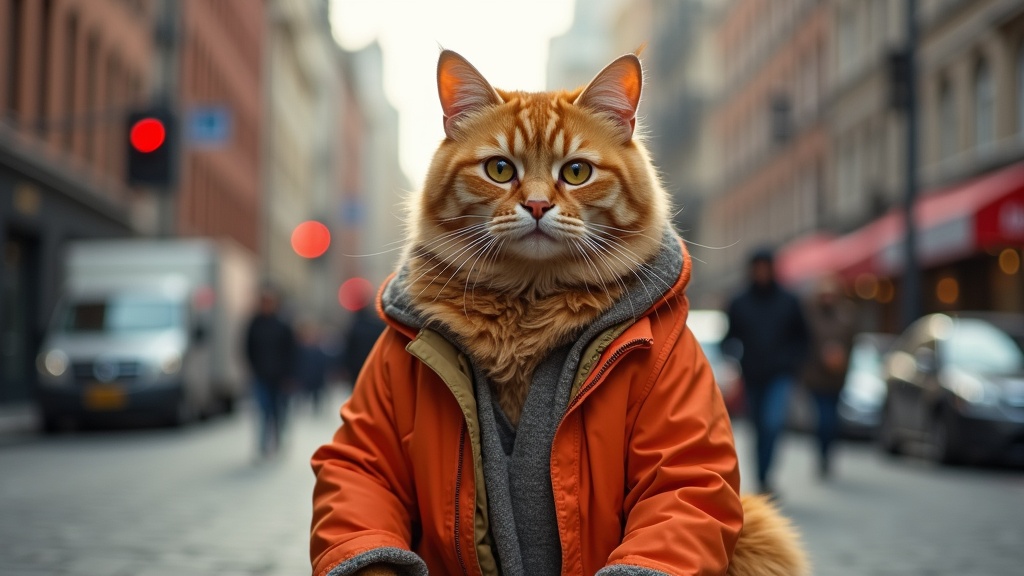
x,y
105,397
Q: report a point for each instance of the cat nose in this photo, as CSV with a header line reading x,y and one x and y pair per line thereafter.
x,y
538,207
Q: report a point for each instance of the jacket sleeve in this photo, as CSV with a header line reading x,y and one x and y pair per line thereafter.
x,y
683,512
363,499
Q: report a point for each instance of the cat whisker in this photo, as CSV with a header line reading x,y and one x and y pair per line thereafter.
x,y
453,218
604,253
381,253
638,266
451,277
493,255
448,239
616,275
474,239
692,243
603,226
469,274
575,244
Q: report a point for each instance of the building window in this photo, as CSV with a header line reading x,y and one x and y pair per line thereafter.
x,y
947,121
1020,91
984,108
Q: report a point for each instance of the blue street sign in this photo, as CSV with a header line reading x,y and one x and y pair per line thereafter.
x,y
209,127
353,212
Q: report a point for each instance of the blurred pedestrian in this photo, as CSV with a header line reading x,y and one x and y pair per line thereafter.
x,y
362,333
832,322
768,334
270,350
311,363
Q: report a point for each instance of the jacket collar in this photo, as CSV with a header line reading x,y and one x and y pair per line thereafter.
x,y
664,278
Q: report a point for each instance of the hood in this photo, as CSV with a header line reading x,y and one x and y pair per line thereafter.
x,y
663,278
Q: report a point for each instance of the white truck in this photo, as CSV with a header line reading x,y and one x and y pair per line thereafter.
x,y
147,327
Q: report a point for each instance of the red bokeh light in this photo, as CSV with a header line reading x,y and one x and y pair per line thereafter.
x,y
355,293
147,135
311,239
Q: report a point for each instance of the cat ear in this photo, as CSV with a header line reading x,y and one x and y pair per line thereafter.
x,y
462,89
615,92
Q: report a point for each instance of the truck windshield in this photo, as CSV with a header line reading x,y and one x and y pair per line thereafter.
x,y
122,314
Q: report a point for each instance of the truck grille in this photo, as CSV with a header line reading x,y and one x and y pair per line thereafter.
x,y
106,371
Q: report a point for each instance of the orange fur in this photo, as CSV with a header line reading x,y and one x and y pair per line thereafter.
x,y
769,545
510,300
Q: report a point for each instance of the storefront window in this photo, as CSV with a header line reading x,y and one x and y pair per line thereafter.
x,y
984,108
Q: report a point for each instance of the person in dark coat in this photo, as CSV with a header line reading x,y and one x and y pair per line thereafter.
x,y
362,334
832,322
768,335
311,364
270,350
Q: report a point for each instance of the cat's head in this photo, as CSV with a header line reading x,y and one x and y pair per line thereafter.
x,y
548,186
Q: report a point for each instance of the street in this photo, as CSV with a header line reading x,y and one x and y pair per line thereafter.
x,y
197,501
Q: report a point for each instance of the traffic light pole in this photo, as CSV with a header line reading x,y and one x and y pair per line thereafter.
x,y
911,303
166,94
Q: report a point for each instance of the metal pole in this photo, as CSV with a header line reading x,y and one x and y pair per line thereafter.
x,y
168,30
911,304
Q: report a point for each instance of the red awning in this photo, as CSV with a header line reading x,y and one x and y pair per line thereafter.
x,y
954,223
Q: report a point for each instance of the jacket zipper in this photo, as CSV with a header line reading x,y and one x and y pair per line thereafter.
x,y
458,490
626,347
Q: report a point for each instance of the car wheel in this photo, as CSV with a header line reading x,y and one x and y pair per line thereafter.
x,y
887,436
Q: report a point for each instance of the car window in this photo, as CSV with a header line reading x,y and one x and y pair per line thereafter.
x,y
978,346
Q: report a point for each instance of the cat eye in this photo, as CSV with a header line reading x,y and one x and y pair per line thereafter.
x,y
500,170
576,172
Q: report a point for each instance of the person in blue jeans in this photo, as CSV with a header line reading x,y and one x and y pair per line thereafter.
x,y
832,321
768,334
270,350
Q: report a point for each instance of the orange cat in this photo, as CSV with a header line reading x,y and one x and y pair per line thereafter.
x,y
537,405
511,284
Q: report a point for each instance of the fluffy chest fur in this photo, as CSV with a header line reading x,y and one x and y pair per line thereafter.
x,y
507,335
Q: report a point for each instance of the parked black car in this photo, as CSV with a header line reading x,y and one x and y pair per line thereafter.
x,y
955,390
863,394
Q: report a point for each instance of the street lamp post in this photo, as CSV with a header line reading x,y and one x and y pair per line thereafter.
x,y
911,304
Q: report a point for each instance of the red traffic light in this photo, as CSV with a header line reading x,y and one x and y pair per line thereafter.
x,y
147,135
311,239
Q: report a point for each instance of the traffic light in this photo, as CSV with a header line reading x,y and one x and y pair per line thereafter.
x,y
152,147
311,239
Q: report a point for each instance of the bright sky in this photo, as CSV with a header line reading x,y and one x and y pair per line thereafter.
x,y
506,41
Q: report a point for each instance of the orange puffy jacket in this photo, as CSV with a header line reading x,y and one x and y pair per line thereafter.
x,y
643,464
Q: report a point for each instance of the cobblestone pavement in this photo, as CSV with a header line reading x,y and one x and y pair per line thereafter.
x,y
198,502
